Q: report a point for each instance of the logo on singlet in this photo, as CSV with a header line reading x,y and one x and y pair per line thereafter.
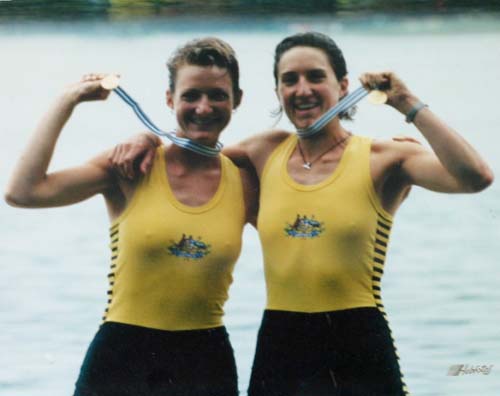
x,y
304,227
189,248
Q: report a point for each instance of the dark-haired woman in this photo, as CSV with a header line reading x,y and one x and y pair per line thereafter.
x,y
326,209
175,235
324,331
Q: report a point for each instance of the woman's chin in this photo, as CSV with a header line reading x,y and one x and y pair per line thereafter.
x,y
302,124
207,138
305,121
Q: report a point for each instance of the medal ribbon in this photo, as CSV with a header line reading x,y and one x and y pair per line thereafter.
x,y
346,103
178,141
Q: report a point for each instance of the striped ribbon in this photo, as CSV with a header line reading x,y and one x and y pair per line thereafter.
x,y
181,142
345,104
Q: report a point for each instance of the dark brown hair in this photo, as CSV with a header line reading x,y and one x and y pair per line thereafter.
x,y
323,43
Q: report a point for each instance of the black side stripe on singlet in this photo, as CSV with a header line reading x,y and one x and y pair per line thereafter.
x,y
379,254
114,236
384,226
382,234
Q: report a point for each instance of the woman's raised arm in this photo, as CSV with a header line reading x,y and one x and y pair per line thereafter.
x,y
453,165
30,184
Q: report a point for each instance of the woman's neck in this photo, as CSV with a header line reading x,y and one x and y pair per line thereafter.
x,y
190,159
333,132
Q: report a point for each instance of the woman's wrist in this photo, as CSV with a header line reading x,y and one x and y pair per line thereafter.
x,y
410,116
406,104
69,98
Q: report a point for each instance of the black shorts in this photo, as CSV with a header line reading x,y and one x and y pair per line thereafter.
x,y
131,360
339,353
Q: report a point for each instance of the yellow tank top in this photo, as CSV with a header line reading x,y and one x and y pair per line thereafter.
x,y
172,264
324,245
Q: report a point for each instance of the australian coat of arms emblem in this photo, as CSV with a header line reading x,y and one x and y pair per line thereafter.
x,y
189,248
304,227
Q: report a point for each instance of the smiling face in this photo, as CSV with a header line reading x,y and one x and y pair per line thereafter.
x,y
203,101
307,86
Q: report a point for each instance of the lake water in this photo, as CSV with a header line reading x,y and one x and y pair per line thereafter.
x,y
442,283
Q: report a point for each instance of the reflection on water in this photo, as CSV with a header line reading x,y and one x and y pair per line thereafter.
x,y
441,286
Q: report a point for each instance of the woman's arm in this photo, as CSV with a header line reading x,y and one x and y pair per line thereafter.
x,y
134,157
31,185
452,166
250,182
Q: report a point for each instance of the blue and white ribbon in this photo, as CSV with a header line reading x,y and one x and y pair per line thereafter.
x,y
345,104
181,142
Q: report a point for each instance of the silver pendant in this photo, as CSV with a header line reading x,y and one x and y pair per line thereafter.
x,y
307,165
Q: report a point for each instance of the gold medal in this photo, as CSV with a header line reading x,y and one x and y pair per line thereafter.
x,y
110,82
377,97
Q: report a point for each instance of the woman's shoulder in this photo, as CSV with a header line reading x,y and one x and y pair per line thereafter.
x,y
264,145
387,155
255,149
272,136
399,143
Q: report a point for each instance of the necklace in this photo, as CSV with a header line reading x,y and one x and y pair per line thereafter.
x,y
308,164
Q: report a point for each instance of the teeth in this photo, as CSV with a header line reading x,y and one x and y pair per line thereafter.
x,y
305,106
201,121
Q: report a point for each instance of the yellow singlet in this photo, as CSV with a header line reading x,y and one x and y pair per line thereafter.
x,y
172,264
324,245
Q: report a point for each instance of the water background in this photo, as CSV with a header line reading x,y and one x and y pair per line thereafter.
x,y
442,283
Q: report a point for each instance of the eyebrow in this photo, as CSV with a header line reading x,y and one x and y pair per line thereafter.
x,y
315,70
208,90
